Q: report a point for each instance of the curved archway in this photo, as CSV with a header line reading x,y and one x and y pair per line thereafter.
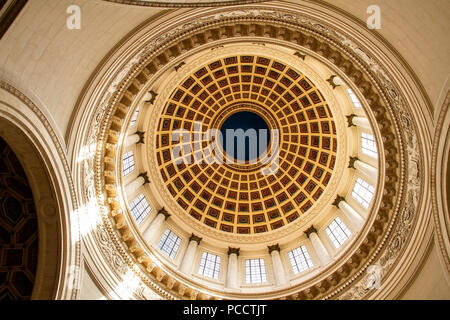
x,y
23,127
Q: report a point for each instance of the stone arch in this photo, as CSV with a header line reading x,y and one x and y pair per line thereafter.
x,y
26,130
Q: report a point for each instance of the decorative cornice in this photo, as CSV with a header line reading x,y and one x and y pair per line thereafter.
x,y
331,82
141,137
184,4
350,120
152,97
440,220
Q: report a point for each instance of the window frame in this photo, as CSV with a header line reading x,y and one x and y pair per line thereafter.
x,y
307,260
215,268
368,148
140,216
337,238
174,249
262,271
128,166
354,99
359,197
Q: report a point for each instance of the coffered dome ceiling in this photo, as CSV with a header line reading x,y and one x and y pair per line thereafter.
x,y
207,65
239,198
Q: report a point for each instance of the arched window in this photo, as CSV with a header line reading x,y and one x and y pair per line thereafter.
x,y
134,118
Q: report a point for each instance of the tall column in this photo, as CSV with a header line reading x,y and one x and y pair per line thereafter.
x,y
318,246
232,272
362,122
189,255
152,230
136,184
349,212
278,269
370,172
135,138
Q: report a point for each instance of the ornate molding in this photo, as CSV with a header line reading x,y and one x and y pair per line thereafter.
x,y
183,4
440,220
391,226
75,230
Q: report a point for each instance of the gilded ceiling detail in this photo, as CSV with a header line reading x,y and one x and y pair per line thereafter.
x,y
239,198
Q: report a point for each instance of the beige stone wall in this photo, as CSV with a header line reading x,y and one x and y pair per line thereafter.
x,y
89,290
53,63
430,282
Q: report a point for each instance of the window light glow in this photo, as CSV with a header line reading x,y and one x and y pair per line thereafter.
x,y
134,118
354,99
338,232
127,163
169,243
363,192
255,271
209,265
140,208
368,145
300,259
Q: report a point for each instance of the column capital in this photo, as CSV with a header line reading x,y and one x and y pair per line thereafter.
x,y
145,176
178,66
233,250
300,55
141,137
164,212
195,238
338,200
310,230
275,247
331,81
351,162
350,119
151,96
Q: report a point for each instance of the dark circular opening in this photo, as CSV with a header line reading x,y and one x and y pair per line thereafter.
x,y
245,136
